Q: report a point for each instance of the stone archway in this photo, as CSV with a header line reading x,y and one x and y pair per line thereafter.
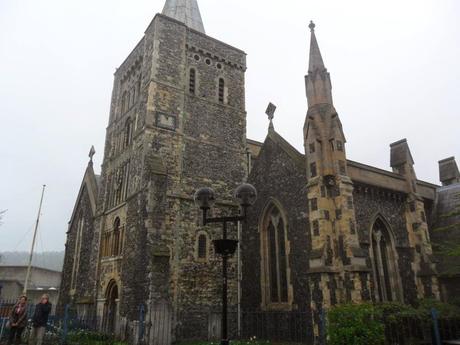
x,y
111,307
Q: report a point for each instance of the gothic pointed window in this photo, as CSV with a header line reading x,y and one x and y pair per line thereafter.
x,y
124,102
275,258
386,276
128,102
128,132
116,238
138,87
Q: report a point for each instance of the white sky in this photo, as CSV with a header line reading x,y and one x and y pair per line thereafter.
x,y
394,64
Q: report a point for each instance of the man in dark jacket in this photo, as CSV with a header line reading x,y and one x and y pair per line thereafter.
x,y
39,321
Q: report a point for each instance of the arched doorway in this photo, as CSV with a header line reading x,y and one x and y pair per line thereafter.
x,y
110,312
384,262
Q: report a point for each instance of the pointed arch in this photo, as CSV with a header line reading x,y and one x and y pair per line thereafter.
x,y
128,132
123,102
274,251
111,307
116,250
384,259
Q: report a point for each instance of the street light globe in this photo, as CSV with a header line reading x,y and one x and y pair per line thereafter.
x,y
204,198
246,195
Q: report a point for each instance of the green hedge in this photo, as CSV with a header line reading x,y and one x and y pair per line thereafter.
x,y
353,324
361,324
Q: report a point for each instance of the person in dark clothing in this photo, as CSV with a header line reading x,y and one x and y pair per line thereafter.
x,y
18,320
39,321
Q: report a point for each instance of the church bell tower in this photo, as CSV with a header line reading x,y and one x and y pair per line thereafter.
x,y
177,123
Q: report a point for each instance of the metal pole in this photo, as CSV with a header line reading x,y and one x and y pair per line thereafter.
x,y
26,283
224,292
141,324
2,328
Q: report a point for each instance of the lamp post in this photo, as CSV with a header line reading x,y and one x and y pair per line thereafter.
x,y
246,196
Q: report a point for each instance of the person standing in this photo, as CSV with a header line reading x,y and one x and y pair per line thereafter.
x,y
39,321
18,320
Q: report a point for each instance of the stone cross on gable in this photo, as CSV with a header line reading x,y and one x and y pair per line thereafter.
x,y
91,154
271,113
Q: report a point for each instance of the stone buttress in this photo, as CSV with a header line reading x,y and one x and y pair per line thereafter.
x,y
416,223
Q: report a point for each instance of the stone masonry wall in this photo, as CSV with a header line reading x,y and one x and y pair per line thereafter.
x,y
277,176
84,292
371,202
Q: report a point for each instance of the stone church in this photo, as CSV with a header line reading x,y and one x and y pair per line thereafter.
x,y
324,230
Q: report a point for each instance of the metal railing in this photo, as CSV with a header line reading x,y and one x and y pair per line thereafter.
x,y
277,327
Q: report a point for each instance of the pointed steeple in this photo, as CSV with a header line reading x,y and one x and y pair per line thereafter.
x,y
185,11
317,82
316,60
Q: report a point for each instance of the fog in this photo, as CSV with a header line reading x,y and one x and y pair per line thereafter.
x,y
394,67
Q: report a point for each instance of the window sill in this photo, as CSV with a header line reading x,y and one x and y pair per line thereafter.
x,y
277,307
111,259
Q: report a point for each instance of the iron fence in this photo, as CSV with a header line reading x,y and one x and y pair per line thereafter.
x,y
278,327
7,305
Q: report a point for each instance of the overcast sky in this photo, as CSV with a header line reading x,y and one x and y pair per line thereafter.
x,y
395,69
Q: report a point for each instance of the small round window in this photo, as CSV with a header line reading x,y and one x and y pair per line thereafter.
x,y
208,61
197,57
219,66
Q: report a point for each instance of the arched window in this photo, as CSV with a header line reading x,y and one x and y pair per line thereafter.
x,y
221,91
386,276
128,133
202,247
116,237
192,81
124,102
275,260
128,101
133,96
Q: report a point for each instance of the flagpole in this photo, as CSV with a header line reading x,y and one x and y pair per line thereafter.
x,y
29,266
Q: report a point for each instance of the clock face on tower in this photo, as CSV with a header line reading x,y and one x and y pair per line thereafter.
x,y
166,121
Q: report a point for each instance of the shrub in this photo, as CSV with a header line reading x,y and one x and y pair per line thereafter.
x,y
84,337
445,310
355,324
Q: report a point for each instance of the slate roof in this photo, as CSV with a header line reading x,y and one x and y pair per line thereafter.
x,y
185,11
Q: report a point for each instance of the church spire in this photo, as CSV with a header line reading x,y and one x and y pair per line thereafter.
x,y
185,11
317,82
316,60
